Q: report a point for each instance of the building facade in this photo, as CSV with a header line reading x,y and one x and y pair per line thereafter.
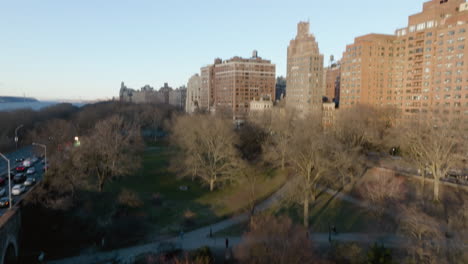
x,y
229,86
147,94
421,69
332,82
328,114
177,97
207,91
193,94
280,93
261,105
304,72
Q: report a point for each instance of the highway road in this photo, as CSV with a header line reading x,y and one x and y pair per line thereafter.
x,y
25,152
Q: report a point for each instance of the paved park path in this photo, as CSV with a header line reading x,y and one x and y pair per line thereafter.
x,y
200,237
191,240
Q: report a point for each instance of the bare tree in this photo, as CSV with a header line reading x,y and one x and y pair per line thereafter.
x,y
365,127
276,241
382,190
424,233
250,177
207,145
57,134
348,162
111,150
439,148
309,154
280,132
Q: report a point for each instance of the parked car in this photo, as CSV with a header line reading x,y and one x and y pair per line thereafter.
x,y
2,192
4,202
20,169
18,189
20,177
30,181
31,170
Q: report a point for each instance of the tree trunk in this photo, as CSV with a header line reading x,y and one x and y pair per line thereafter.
x,y
212,185
306,211
436,188
101,184
423,184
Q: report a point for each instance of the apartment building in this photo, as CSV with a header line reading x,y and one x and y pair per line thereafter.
x,y
421,69
304,79
193,94
230,86
332,82
238,81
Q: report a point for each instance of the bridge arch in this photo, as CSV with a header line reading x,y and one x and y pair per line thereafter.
x,y
10,255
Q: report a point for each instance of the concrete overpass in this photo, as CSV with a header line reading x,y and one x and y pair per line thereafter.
x,y
10,226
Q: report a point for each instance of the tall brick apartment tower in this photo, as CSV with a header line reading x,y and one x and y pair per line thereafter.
x,y
422,69
304,72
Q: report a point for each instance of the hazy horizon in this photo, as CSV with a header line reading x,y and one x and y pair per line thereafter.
x,y
83,50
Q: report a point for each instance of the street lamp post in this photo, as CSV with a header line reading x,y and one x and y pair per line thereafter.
x,y
16,135
45,154
9,177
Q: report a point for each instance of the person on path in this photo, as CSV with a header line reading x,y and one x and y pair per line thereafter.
x,y
227,243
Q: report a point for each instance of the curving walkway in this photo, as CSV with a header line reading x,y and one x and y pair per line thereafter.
x,y
191,240
199,237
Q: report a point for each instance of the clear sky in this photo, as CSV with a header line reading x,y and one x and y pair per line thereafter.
x,y
83,49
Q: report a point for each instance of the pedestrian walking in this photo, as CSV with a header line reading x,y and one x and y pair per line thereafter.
x,y
211,232
227,243
334,230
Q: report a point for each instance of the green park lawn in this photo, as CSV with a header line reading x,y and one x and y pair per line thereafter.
x,y
326,210
329,210
204,207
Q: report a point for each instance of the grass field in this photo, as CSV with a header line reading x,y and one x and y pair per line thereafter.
x,y
328,210
184,209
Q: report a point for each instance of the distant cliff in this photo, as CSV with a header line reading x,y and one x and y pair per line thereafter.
x,y
12,99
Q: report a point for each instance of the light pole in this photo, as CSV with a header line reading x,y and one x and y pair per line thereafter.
x,y
45,154
9,177
16,135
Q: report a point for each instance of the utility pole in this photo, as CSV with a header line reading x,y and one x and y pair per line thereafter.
x,y
16,135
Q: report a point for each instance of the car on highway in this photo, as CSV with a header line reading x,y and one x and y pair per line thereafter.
x,y
31,170
18,189
2,192
34,160
30,181
4,202
20,177
20,169
18,160
27,163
